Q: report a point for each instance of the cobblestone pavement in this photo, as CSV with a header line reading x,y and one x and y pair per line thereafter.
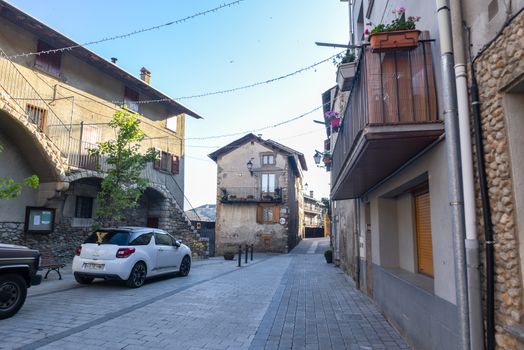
x,y
275,302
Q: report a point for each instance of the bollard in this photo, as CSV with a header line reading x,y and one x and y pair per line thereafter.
x,y
247,250
251,252
239,255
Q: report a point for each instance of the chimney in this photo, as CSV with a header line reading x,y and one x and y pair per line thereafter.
x,y
145,75
114,59
311,194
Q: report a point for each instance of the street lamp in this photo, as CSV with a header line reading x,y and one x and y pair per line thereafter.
x,y
250,167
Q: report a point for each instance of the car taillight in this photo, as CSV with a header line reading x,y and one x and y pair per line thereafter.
x,y
78,250
124,252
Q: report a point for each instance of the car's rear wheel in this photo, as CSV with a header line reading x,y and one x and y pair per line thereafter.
x,y
185,266
13,291
83,279
137,277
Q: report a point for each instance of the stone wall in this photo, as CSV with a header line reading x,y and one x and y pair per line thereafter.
x,y
500,64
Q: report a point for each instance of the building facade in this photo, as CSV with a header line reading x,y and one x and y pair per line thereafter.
x,y
55,106
391,221
259,195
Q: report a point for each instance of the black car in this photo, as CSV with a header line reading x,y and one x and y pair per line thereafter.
x,y
18,271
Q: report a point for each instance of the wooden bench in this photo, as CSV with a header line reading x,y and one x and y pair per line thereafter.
x,y
50,263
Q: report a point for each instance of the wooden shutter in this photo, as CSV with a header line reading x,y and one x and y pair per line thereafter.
x,y
423,228
48,62
276,214
259,215
175,164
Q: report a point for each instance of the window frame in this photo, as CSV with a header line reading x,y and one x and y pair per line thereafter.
x,y
131,98
79,207
268,187
50,63
264,156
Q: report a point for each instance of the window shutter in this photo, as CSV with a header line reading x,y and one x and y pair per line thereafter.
x,y
276,215
49,62
423,228
259,215
175,164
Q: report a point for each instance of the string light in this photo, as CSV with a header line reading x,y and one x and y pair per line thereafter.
x,y
127,35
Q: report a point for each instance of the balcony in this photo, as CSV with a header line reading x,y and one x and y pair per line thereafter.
x,y
249,195
391,116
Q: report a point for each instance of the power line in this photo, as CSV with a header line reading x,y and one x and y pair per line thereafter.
x,y
127,35
255,130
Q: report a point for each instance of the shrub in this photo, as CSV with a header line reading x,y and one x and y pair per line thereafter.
x,y
229,255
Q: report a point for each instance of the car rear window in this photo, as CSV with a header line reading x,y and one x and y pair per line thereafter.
x,y
109,237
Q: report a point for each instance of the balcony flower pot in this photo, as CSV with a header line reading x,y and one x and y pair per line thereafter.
x,y
394,41
345,75
335,124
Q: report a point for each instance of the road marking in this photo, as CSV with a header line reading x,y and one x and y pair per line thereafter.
x,y
313,248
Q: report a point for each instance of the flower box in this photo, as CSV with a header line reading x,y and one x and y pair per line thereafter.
x,y
345,75
394,41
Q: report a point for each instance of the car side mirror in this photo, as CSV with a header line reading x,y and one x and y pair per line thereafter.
x,y
177,244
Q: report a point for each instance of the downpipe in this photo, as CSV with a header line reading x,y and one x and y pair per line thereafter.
x,y
476,323
455,185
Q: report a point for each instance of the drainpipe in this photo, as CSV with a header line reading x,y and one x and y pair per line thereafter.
x,y
486,211
472,244
357,242
454,170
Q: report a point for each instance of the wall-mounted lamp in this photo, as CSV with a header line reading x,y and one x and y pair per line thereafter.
x,y
250,167
317,157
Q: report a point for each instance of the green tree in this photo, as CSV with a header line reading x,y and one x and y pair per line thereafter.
x,y
123,186
9,189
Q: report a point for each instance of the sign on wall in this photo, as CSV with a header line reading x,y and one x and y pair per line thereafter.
x,y
39,220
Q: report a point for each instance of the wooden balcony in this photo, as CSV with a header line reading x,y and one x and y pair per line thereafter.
x,y
391,116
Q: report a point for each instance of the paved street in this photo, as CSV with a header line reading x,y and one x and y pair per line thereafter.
x,y
275,302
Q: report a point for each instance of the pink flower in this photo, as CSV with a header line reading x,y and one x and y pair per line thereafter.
x,y
401,10
366,32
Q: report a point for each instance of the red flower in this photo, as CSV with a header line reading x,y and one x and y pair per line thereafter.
x,y
366,32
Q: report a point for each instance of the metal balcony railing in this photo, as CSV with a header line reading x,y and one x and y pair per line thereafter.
x,y
392,88
249,194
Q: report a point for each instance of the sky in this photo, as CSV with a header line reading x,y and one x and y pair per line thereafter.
x,y
249,42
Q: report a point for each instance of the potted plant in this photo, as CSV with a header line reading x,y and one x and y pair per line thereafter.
x,y
327,159
334,120
400,34
328,254
346,69
229,254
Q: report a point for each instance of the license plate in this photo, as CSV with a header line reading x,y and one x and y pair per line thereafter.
x,y
93,266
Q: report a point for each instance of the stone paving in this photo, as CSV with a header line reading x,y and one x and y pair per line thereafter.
x,y
293,301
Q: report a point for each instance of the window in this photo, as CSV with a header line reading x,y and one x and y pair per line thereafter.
x,y
268,159
48,62
143,239
171,123
37,116
268,183
164,160
423,231
267,214
175,164
163,239
131,99
109,237
84,207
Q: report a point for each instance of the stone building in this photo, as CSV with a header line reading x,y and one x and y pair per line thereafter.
x,y
54,107
313,216
259,190
395,220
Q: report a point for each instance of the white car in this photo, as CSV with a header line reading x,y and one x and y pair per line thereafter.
x,y
131,254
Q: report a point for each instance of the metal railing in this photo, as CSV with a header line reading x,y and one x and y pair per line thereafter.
x,y
390,88
29,102
249,194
